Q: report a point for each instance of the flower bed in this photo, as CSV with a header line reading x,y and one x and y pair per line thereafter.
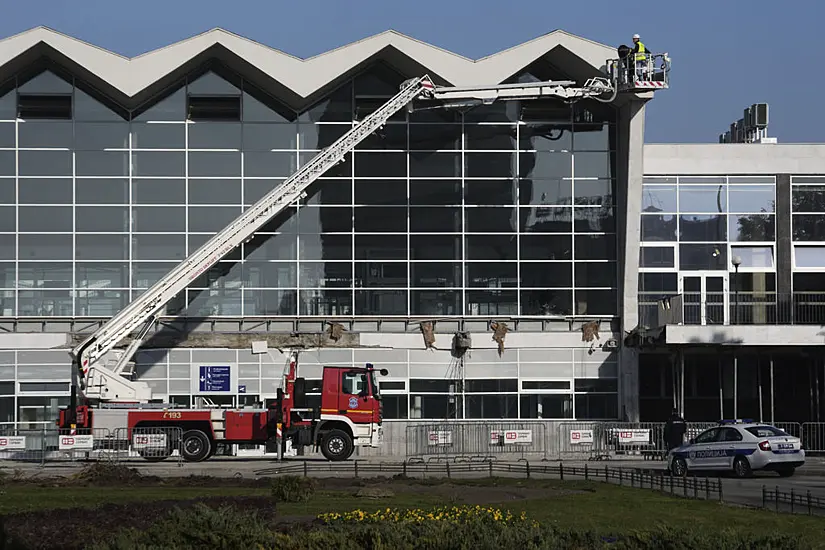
x,y
455,515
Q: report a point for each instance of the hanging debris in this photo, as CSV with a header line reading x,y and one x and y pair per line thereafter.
x,y
590,331
461,343
499,332
335,331
427,328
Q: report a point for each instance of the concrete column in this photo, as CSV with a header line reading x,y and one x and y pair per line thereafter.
x,y
784,244
629,173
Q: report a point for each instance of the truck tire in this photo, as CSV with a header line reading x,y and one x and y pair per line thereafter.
x,y
195,446
336,445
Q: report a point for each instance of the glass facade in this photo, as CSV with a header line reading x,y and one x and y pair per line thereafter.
x,y
692,228
808,236
506,209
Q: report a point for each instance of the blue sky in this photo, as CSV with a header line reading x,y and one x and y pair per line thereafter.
x,y
726,54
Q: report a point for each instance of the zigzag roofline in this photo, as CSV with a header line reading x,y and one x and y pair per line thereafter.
x,y
130,77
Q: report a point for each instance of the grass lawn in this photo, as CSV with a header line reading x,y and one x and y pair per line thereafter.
x,y
576,504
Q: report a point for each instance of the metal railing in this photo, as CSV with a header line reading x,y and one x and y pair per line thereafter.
x,y
692,487
791,501
744,308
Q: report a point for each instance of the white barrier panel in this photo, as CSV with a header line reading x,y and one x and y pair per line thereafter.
x,y
440,438
76,442
633,436
578,437
13,443
149,441
511,437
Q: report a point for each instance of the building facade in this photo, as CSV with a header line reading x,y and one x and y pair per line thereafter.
x,y
548,220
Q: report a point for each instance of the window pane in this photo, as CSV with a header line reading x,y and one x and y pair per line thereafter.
x,y
158,163
659,198
435,192
552,219
657,257
102,219
750,199
546,406
102,247
757,227
435,220
702,198
45,134
102,163
490,220
215,135
101,191
547,302
703,228
703,257
546,247
546,166
159,191
808,227
381,302
159,247
266,137
810,256
45,163
158,136
101,135
325,302
658,228
158,219
45,191
435,247
760,257
214,191
45,218
808,198
493,275
489,165
45,247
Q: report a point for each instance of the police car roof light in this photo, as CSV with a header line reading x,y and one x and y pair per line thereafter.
x,y
737,421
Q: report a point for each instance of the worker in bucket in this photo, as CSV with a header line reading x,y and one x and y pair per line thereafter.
x,y
640,55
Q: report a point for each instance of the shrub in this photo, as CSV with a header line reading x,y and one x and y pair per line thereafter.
x,y
293,488
199,527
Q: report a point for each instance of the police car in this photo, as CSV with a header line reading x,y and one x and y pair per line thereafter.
x,y
740,446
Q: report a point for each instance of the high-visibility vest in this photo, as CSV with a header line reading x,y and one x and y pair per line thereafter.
x,y
640,55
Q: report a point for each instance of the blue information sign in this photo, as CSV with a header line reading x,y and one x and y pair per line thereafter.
x,y
214,379
241,388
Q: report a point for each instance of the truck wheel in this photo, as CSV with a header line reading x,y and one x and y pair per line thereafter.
x,y
195,446
336,445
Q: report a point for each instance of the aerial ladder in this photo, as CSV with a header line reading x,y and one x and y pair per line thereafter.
x,y
103,372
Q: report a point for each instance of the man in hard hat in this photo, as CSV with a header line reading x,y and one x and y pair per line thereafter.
x,y
640,54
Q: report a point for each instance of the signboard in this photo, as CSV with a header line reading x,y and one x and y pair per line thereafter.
x,y
511,437
76,442
440,438
578,437
241,388
149,441
633,436
12,443
214,379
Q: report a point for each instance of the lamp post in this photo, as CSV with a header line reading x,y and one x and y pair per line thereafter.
x,y
736,261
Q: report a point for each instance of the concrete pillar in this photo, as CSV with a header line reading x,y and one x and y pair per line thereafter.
x,y
629,173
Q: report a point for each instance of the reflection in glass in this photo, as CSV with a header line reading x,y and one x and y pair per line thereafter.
x,y
435,192
546,247
490,247
546,275
596,247
435,302
490,165
659,198
749,199
596,275
594,220
381,275
808,198
757,257
490,220
434,165
596,302
380,219
491,303
702,198
658,228
703,257
381,302
325,302
435,274
491,192
435,220
552,219
808,227
703,228
657,256
547,302
380,247
756,227
435,247
492,275
545,166
593,192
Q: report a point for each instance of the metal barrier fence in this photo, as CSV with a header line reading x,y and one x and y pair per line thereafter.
x,y
52,445
605,440
478,441
442,441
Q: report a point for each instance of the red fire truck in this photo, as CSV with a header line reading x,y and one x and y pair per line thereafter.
x,y
350,415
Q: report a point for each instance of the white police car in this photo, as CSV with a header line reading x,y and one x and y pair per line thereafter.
x,y
741,447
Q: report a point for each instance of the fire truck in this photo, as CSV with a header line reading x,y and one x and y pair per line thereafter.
x,y
106,398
